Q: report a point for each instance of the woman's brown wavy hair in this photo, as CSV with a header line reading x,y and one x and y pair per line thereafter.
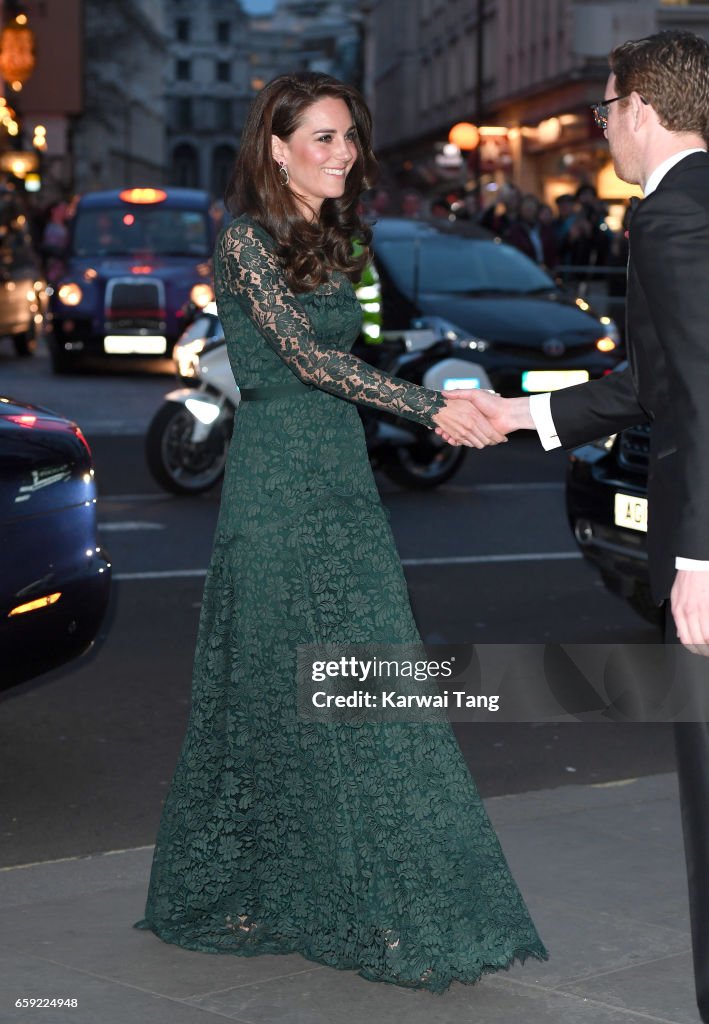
x,y
308,250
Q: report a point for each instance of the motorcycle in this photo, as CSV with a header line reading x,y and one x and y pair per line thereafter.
x,y
188,439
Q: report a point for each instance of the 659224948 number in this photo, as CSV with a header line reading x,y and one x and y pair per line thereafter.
x,y
28,1003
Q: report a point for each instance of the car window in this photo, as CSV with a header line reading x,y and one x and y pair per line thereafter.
x,y
446,263
133,230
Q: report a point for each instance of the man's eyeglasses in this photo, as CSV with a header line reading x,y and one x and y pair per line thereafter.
x,y
600,110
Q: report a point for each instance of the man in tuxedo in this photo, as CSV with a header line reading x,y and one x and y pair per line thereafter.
x,y
655,115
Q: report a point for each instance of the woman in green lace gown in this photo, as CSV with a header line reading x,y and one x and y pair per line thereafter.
x,y
363,847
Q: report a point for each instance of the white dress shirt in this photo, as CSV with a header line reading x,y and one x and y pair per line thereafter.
x,y
540,405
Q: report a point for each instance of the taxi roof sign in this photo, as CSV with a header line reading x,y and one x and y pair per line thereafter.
x,y
143,195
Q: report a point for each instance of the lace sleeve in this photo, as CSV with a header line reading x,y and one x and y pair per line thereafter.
x,y
250,273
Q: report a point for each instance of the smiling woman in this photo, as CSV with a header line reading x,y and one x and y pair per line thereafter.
x,y
305,158
316,159
361,850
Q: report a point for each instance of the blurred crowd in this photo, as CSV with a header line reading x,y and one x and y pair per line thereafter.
x,y
575,234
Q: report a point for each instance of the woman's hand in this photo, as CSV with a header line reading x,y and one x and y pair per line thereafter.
x,y
501,415
462,423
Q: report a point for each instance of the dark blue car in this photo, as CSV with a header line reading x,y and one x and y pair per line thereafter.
x,y
55,577
135,258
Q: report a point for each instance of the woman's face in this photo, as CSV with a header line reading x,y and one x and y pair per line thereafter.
x,y
319,154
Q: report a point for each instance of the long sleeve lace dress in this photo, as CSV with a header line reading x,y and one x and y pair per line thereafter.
x,y
361,847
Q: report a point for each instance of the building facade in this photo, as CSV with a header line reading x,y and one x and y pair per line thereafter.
x,y
219,59
118,139
309,35
208,90
552,63
523,70
423,70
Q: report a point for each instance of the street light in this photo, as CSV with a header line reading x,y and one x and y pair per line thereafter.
x,y
17,57
465,136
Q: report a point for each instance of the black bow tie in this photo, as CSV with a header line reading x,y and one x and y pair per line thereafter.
x,y
633,206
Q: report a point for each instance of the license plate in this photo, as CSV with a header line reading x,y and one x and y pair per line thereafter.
x,y
135,344
631,512
552,380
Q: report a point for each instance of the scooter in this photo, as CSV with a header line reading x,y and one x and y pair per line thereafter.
x,y
188,439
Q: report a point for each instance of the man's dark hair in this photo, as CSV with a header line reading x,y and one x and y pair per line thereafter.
x,y
671,71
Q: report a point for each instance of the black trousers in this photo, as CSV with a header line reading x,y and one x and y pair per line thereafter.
x,y
692,749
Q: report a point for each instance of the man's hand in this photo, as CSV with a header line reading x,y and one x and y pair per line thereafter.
x,y
503,415
463,423
690,609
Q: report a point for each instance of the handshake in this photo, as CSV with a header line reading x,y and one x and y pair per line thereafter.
x,y
479,418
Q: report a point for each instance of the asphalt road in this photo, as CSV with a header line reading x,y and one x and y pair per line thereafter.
x,y
88,752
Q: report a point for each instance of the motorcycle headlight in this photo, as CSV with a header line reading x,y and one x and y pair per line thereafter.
x,y
201,294
205,412
70,294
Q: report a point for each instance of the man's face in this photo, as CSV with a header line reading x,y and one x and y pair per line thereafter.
x,y
621,138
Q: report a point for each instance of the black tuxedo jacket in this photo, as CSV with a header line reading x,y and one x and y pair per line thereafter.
x,y
667,380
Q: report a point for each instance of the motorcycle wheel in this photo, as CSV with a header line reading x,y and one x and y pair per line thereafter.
x,y
422,466
178,465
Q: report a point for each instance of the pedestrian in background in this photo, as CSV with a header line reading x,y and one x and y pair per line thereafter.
x,y
532,235
499,216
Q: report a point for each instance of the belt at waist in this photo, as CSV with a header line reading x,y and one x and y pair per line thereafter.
x,y
274,391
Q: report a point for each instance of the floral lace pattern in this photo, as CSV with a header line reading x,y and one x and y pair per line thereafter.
x,y
250,275
363,847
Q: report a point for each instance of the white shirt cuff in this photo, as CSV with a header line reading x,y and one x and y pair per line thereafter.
x,y
540,409
691,564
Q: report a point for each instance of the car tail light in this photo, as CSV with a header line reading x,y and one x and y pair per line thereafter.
x,y
32,421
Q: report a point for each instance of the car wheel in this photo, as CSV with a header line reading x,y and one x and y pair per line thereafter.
x,y
641,601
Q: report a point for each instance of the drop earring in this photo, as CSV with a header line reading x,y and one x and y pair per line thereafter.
x,y
283,172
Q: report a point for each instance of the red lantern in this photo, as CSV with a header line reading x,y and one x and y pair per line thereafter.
x,y
17,57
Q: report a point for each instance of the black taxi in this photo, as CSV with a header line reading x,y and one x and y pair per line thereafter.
x,y
135,258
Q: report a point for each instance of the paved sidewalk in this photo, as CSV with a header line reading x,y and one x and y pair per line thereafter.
x,y
601,868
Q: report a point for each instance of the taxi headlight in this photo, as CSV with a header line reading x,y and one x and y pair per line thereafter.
x,y
70,294
201,294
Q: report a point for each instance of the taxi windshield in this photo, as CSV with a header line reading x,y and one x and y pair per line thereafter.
x,y
140,230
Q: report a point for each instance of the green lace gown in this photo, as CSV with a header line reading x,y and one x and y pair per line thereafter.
x,y
366,846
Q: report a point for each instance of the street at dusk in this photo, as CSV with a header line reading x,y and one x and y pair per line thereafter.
x,y
322,335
